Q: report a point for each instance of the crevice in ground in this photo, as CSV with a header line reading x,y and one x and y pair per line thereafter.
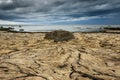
x,y
29,75
83,74
106,74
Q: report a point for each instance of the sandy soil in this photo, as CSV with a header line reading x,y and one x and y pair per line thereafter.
x,y
90,56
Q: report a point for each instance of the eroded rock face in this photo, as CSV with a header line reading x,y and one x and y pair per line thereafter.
x,y
59,35
23,57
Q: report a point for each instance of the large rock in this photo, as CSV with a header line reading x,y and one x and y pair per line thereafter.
x,y
59,35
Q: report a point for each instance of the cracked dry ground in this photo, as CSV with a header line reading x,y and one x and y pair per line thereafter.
x,y
90,56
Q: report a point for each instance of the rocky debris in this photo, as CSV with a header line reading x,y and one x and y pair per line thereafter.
x,y
59,35
35,58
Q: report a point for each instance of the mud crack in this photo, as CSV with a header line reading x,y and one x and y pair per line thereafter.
x,y
83,74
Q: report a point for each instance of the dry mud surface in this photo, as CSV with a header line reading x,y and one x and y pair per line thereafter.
x,y
90,56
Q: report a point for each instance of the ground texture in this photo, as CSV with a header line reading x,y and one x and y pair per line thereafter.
x,y
90,56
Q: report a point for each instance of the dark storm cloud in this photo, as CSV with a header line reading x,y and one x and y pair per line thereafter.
x,y
57,9
13,4
4,16
58,3
95,13
103,12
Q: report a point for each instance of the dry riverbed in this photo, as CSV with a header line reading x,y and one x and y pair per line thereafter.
x,y
90,56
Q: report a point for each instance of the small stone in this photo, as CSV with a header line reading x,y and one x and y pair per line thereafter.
x,y
109,63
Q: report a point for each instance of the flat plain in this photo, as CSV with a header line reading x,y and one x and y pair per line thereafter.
x,y
90,56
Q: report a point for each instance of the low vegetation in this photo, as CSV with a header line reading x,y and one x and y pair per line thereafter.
x,y
112,28
6,29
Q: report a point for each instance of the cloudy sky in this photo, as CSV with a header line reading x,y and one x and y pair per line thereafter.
x,y
60,11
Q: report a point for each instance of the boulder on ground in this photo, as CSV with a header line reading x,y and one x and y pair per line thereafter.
x,y
59,35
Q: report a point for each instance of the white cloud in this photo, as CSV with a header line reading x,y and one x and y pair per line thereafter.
x,y
6,1
9,1
104,6
10,22
78,19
